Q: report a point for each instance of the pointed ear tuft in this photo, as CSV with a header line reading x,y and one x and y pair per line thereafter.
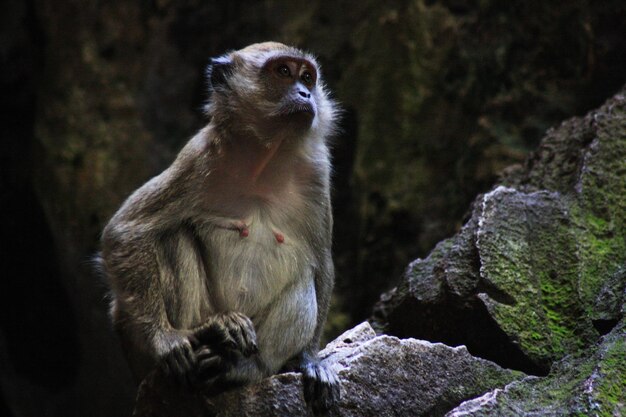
x,y
218,71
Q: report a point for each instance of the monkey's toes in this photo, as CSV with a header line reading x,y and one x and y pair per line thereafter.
x,y
321,387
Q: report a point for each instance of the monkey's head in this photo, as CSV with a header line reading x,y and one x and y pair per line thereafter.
x,y
270,90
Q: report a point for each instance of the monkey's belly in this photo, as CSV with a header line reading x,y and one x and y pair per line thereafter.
x,y
288,326
270,279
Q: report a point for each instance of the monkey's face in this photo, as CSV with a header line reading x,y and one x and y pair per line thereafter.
x,y
270,89
286,98
290,85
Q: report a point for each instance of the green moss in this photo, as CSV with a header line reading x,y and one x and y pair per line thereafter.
x,y
601,251
611,390
527,250
558,302
597,224
601,197
537,336
593,385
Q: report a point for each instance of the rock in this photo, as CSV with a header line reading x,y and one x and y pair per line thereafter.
x,y
380,376
592,385
98,109
606,308
537,272
527,250
473,91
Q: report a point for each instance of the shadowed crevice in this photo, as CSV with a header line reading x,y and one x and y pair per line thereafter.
x,y
456,322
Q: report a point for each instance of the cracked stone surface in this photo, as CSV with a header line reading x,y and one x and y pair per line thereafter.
x,y
536,278
380,376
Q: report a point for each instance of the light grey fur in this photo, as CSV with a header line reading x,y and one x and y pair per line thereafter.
x,y
173,255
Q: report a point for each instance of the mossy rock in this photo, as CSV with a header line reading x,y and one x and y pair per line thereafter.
x,y
590,385
539,266
527,250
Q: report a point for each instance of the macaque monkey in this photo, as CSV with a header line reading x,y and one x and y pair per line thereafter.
x,y
220,267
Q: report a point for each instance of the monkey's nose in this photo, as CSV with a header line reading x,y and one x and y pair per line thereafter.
x,y
304,94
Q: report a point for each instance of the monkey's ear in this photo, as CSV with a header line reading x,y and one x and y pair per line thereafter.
x,y
218,71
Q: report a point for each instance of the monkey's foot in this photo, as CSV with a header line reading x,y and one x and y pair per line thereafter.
x,y
321,386
237,225
227,333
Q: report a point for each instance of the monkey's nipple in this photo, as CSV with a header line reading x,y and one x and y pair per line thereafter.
x,y
280,238
244,232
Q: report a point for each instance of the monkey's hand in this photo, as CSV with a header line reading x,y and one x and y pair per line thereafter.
x,y
178,358
211,369
321,385
218,344
227,333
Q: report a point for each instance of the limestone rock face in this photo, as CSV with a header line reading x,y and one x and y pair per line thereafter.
x,y
538,271
592,385
99,96
380,376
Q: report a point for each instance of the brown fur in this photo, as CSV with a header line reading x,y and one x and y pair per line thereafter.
x,y
220,267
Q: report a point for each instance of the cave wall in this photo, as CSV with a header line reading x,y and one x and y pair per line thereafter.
x,y
438,96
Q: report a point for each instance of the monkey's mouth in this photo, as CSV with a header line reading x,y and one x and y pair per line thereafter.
x,y
298,108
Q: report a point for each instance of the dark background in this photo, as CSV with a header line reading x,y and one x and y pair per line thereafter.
x,y
97,96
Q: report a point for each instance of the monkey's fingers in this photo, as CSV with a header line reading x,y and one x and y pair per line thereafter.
x,y
232,332
241,331
196,344
211,372
210,366
179,362
218,334
211,333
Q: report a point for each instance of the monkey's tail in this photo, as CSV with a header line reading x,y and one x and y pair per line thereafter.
x,y
98,266
96,262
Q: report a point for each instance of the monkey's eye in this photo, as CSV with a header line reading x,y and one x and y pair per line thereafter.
x,y
283,71
307,78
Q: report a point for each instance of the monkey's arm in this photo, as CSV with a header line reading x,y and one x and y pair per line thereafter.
x,y
135,254
131,252
143,247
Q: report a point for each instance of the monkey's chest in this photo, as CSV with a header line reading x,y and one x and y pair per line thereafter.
x,y
252,261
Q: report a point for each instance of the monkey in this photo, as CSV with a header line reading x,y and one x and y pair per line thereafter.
x,y
220,267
